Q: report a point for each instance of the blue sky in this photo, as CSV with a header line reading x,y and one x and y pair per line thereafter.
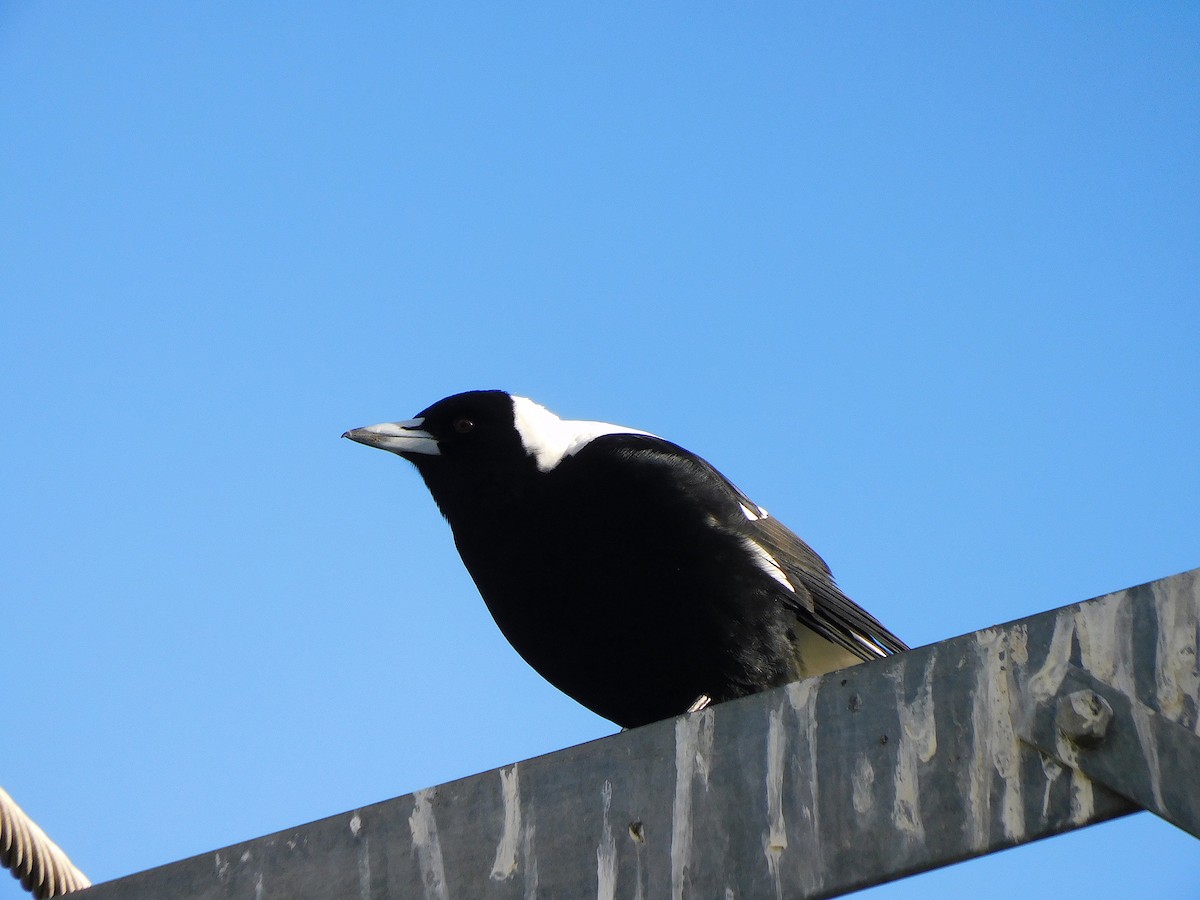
x,y
920,278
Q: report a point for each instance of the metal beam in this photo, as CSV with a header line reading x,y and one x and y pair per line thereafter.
x,y
813,790
1113,739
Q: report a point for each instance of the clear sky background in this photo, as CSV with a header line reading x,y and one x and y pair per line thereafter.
x,y
921,278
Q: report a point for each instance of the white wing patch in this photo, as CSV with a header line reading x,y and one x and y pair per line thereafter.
x,y
754,514
870,645
550,440
767,563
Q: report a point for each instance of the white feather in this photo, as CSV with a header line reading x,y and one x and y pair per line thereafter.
x,y
550,440
767,563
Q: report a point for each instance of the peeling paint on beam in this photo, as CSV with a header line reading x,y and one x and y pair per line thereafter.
x,y
819,788
1134,751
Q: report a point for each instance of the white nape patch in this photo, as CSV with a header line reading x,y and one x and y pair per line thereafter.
x,y
767,563
549,439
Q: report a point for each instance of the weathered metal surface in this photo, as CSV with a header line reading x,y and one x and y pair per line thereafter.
x,y
811,790
1122,744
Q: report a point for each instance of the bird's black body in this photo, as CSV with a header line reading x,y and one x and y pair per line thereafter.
x,y
627,571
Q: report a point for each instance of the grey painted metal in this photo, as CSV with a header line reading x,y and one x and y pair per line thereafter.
x,y
1122,744
1084,717
812,790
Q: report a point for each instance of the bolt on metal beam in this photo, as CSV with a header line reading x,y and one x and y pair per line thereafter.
x,y
1084,717
1121,743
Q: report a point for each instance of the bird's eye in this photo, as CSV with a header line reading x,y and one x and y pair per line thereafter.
x,y
463,425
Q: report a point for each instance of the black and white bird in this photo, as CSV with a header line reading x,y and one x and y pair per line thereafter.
x,y
627,571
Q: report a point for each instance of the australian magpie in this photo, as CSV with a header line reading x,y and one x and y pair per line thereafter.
x,y
626,570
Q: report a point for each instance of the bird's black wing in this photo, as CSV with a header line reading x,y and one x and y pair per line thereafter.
x,y
817,600
827,611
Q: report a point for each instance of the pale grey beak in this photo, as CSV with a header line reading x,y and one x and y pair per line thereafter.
x,y
397,437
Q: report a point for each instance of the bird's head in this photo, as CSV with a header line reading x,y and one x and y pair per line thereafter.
x,y
481,440
485,428
461,438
